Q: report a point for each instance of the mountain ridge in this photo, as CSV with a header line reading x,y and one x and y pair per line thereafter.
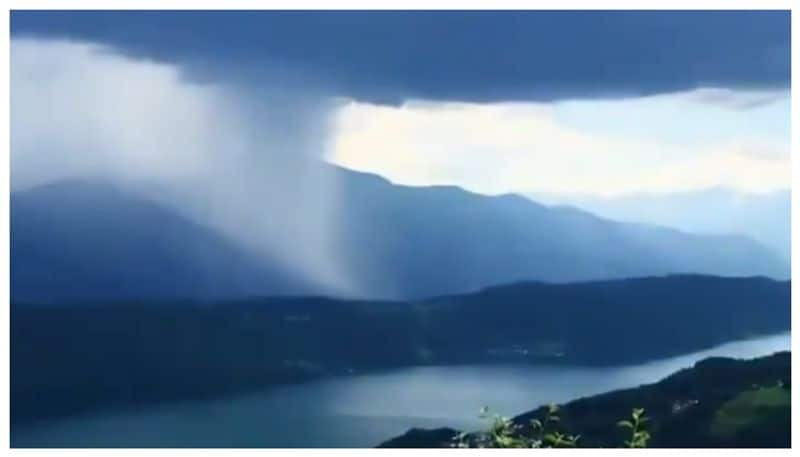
x,y
400,242
763,216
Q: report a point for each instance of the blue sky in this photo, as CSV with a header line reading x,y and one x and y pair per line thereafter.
x,y
557,102
704,116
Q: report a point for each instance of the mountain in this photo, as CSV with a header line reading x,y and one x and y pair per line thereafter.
x,y
90,240
70,358
425,241
608,322
719,402
764,217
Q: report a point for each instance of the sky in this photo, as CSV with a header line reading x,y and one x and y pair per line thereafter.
x,y
658,144
601,103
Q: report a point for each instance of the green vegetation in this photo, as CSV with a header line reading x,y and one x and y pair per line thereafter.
x,y
718,403
639,436
546,432
68,359
751,409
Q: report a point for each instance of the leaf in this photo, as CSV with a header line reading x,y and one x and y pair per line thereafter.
x,y
504,441
625,423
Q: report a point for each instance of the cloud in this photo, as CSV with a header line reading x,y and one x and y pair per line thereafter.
x,y
80,109
527,147
477,56
737,100
244,160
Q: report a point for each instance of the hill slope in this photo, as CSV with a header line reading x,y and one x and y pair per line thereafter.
x,y
764,217
66,359
719,402
90,240
425,241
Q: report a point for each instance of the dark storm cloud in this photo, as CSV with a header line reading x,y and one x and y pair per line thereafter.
x,y
469,56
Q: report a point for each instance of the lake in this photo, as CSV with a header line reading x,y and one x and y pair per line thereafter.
x,y
362,410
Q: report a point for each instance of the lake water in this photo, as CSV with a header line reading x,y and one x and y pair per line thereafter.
x,y
363,410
